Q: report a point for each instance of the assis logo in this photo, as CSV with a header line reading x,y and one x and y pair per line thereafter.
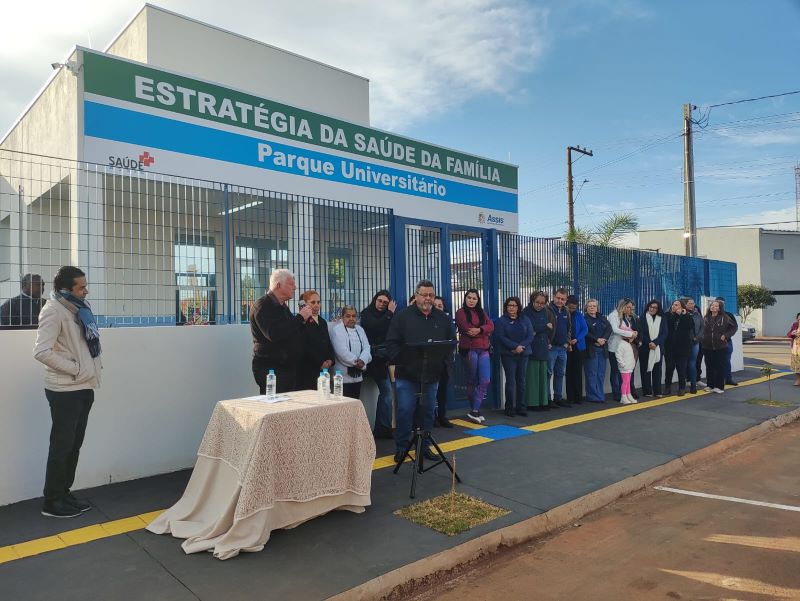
x,y
143,161
490,219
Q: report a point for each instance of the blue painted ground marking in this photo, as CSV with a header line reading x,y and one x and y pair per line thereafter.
x,y
498,432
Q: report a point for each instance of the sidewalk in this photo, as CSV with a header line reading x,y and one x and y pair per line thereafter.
x,y
527,465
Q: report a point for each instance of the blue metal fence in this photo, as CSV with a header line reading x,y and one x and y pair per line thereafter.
x,y
527,264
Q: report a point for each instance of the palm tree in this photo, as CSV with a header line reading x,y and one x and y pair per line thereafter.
x,y
601,264
609,232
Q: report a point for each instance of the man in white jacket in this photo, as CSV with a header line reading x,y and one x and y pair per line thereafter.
x,y
68,344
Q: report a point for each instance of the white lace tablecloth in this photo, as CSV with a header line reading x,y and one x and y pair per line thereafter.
x,y
266,466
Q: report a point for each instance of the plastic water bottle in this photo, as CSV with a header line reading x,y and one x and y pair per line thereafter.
x,y
338,386
327,375
272,384
323,390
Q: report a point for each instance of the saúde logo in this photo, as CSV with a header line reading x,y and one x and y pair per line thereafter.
x,y
144,160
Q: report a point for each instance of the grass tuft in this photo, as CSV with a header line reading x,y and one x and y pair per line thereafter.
x,y
451,513
769,403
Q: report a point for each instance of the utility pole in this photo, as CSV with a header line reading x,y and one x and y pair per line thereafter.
x,y
689,215
570,201
797,197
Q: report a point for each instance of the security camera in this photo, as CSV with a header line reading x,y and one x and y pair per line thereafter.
x,y
56,66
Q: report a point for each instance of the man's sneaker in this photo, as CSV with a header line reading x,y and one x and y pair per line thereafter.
x,y
78,504
60,509
474,417
481,417
708,389
717,390
701,384
627,401
430,455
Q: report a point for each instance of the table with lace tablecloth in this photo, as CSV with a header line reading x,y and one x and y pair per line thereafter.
x,y
265,466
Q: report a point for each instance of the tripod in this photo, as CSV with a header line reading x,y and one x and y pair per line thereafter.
x,y
420,435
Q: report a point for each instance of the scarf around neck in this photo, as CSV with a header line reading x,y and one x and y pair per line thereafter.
x,y
653,327
82,310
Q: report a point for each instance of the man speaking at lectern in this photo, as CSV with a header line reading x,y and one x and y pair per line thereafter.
x,y
417,370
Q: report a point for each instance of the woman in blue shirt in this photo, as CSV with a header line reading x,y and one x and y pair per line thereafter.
x,y
513,334
596,353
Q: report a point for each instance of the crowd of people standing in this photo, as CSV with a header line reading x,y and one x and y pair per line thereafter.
x,y
553,354
550,352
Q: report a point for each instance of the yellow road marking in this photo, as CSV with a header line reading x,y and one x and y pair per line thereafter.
x,y
87,534
39,545
465,424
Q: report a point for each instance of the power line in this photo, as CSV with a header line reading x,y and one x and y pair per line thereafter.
x,y
711,106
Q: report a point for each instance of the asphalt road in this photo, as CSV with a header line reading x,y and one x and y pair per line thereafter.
x,y
667,544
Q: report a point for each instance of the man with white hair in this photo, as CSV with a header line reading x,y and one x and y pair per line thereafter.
x,y
276,333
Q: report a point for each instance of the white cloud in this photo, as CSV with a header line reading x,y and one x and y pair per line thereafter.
x,y
760,138
422,58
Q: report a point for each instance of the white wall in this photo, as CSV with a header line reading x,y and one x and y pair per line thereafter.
x,y
159,388
738,245
49,126
780,275
165,39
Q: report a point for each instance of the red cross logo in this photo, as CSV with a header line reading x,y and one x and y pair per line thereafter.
x,y
146,159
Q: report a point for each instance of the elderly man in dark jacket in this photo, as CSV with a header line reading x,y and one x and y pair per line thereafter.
x,y
277,333
376,319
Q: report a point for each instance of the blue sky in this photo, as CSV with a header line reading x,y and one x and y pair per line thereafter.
x,y
524,80
613,77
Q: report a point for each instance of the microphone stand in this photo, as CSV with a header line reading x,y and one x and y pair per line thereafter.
x,y
420,435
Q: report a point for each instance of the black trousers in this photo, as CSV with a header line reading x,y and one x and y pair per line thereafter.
x,y
676,364
699,363
574,376
70,414
716,361
441,395
651,381
352,390
285,375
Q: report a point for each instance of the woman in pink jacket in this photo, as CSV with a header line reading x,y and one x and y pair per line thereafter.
x,y
474,329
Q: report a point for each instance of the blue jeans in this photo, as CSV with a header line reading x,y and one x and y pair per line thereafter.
x,y
594,368
557,366
691,367
479,376
407,392
383,413
515,367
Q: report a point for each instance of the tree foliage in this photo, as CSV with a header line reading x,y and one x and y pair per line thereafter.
x,y
751,297
609,232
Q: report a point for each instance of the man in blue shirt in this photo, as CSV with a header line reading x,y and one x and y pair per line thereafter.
x,y
577,344
562,334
